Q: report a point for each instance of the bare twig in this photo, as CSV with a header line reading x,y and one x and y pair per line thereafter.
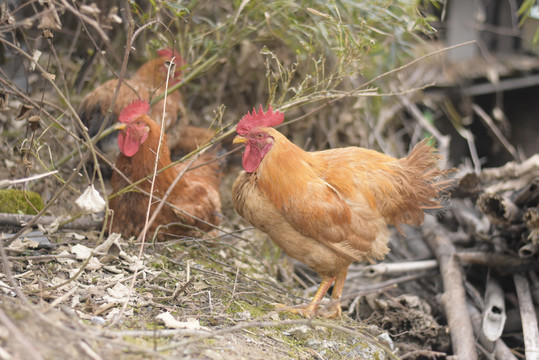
x,y
487,119
7,182
443,140
368,83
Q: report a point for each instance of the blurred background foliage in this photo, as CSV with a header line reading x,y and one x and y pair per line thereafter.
x,y
297,55
337,68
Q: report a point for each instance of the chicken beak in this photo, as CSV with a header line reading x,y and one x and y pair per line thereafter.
x,y
239,140
120,126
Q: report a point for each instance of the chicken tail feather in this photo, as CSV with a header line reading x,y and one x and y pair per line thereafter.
x,y
427,185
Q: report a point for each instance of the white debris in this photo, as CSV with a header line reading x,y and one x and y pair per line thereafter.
x,y
91,201
171,322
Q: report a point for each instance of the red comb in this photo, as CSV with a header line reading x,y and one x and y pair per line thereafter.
x,y
264,119
169,54
166,52
133,111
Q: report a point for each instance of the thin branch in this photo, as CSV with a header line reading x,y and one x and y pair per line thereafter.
x,y
7,182
366,84
488,120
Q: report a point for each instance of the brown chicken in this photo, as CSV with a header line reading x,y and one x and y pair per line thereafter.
x,y
148,82
196,194
330,208
192,137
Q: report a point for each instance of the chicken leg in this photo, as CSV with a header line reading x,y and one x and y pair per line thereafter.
x,y
334,310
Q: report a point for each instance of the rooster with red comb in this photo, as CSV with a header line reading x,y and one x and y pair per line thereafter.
x,y
195,197
330,208
146,83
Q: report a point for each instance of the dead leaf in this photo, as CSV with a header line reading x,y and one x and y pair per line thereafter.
x,y
49,76
103,249
91,9
117,293
113,269
81,252
24,110
47,34
94,264
75,236
50,228
114,312
35,58
7,17
65,260
23,244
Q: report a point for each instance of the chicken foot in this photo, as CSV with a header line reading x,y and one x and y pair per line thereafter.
x,y
310,310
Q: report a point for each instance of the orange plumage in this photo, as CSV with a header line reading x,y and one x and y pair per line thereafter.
x,y
330,208
148,82
196,194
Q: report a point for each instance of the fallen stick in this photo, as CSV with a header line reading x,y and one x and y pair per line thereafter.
x,y
490,259
397,268
84,223
454,297
527,315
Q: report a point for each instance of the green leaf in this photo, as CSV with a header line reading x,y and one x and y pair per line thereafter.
x,y
536,36
526,6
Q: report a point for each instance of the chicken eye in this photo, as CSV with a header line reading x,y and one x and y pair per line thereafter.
x,y
260,135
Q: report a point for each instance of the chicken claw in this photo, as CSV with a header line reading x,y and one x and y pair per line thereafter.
x,y
311,311
308,311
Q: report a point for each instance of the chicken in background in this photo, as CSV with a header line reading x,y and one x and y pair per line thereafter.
x,y
192,137
148,82
196,194
330,208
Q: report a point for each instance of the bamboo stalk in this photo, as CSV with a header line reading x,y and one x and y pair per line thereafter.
x,y
527,315
454,297
493,311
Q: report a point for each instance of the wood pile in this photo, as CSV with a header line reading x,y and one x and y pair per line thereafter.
x,y
485,248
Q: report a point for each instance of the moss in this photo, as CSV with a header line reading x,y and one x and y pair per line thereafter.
x,y
255,310
210,342
13,201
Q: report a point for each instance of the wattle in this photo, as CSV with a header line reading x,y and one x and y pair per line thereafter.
x,y
128,146
251,158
